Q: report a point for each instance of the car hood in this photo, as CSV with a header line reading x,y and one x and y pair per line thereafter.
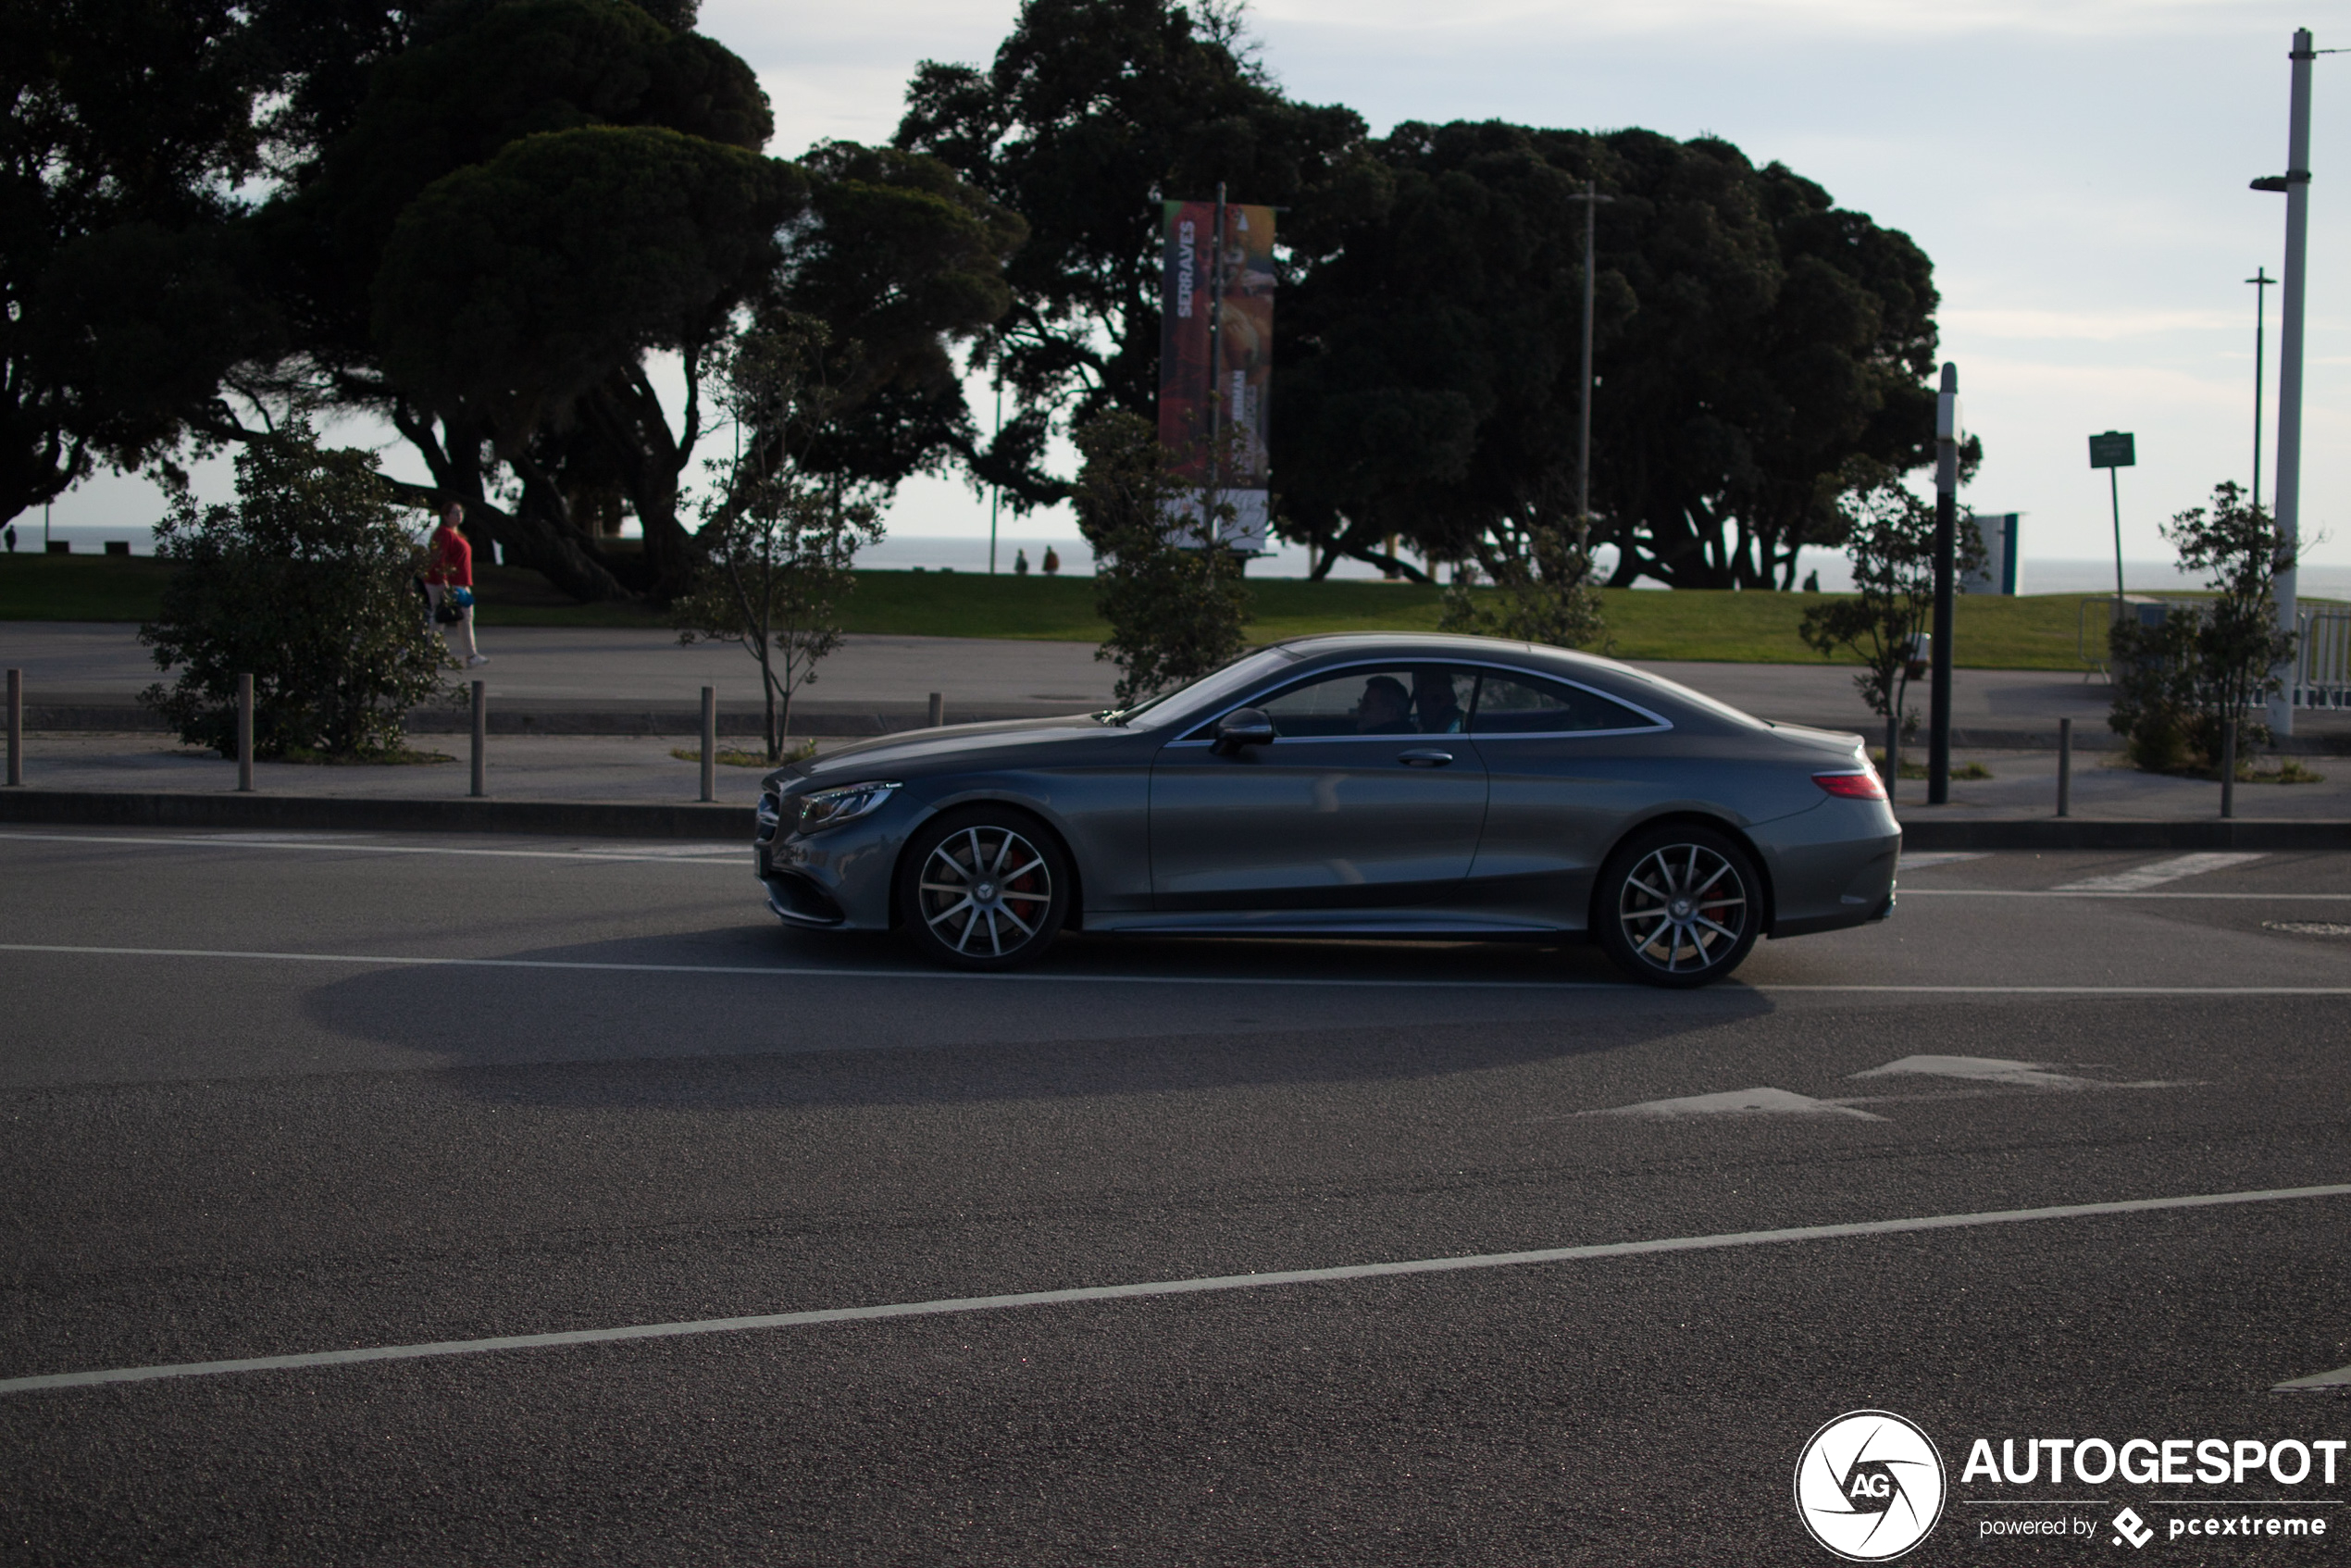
x,y
918,749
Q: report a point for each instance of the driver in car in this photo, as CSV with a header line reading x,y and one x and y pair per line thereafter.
x,y
1386,708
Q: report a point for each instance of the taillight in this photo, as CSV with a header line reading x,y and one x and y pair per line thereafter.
x,y
1863,786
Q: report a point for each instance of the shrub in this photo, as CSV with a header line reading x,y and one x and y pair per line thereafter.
x,y
2178,680
1174,613
308,584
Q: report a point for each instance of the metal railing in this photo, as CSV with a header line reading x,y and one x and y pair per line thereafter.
x,y
2322,664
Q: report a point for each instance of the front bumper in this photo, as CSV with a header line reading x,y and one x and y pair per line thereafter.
x,y
836,878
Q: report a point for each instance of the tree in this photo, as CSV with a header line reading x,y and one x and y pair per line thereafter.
x,y
2179,680
308,584
1543,588
1174,613
1750,339
1090,110
777,543
131,124
1890,536
579,180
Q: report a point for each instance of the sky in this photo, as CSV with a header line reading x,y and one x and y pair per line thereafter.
x,y
2076,169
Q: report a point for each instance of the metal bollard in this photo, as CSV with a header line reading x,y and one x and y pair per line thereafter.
x,y
244,734
481,736
710,742
16,728
2065,767
938,709
2229,768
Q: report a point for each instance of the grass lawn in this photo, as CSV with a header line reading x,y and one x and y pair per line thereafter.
x,y
2032,632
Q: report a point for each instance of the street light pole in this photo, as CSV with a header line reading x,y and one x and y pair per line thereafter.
x,y
2262,283
2296,185
995,492
1591,198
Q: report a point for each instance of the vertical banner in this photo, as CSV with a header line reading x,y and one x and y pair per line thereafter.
x,y
1216,365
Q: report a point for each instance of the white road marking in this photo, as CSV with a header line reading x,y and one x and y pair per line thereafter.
x,y
2066,893
1163,1288
1033,977
1939,857
1736,1102
732,856
2339,1378
2157,873
1994,1069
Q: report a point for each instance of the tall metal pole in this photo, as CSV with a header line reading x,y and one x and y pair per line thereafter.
x,y
1208,530
995,492
1946,533
2262,283
2114,491
2290,317
1591,198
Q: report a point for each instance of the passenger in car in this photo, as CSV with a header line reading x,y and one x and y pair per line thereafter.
x,y
1440,711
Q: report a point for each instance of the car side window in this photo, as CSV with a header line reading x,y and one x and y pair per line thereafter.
x,y
1531,705
1372,700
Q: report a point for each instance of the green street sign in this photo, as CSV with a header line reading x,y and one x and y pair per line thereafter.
x,y
2113,450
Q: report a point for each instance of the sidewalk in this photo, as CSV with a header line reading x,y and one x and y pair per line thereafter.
x,y
560,680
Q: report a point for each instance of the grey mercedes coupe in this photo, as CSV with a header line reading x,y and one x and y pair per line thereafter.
x,y
1362,784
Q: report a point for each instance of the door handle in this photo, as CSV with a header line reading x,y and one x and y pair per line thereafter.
x,y
1425,756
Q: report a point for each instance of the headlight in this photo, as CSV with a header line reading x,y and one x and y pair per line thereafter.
x,y
830,808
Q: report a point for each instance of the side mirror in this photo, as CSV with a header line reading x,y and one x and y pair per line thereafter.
x,y
1242,726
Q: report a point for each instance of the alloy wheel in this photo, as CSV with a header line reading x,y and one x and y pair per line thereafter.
x,y
1683,908
985,892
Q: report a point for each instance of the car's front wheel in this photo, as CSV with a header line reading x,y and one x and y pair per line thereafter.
x,y
983,888
1678,906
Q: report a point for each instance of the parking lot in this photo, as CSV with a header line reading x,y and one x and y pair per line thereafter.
x,y
2047,1143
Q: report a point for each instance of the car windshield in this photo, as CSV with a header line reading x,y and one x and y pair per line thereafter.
x,y
1172,707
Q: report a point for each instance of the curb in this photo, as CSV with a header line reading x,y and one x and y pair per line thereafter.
x,y
360,813
733,823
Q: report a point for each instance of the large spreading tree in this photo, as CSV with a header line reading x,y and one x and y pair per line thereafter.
x,y
131,125
1752,340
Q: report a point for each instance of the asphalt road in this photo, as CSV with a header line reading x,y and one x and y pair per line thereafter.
x,y
271,1097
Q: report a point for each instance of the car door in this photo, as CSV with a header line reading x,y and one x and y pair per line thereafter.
x,y
1370,795
1567,767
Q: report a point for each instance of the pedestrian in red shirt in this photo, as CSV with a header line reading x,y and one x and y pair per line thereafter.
x,y
449,579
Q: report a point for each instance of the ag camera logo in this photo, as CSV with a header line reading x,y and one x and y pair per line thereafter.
x,y
1869,1485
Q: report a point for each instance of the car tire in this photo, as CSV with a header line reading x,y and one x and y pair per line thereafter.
x,y
983,888
1678,906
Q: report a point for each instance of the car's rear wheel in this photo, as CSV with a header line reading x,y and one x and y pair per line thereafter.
x,y
1678,906
983,888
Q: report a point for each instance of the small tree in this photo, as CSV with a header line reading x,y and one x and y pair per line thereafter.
x,y
777,546
1543,588
1174,613
1891,542
2179,680
307,585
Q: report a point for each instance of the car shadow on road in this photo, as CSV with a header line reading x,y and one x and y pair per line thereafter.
x,y
743,1017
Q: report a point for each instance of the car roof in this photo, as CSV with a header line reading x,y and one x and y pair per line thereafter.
x,y
1612,675
1434,645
